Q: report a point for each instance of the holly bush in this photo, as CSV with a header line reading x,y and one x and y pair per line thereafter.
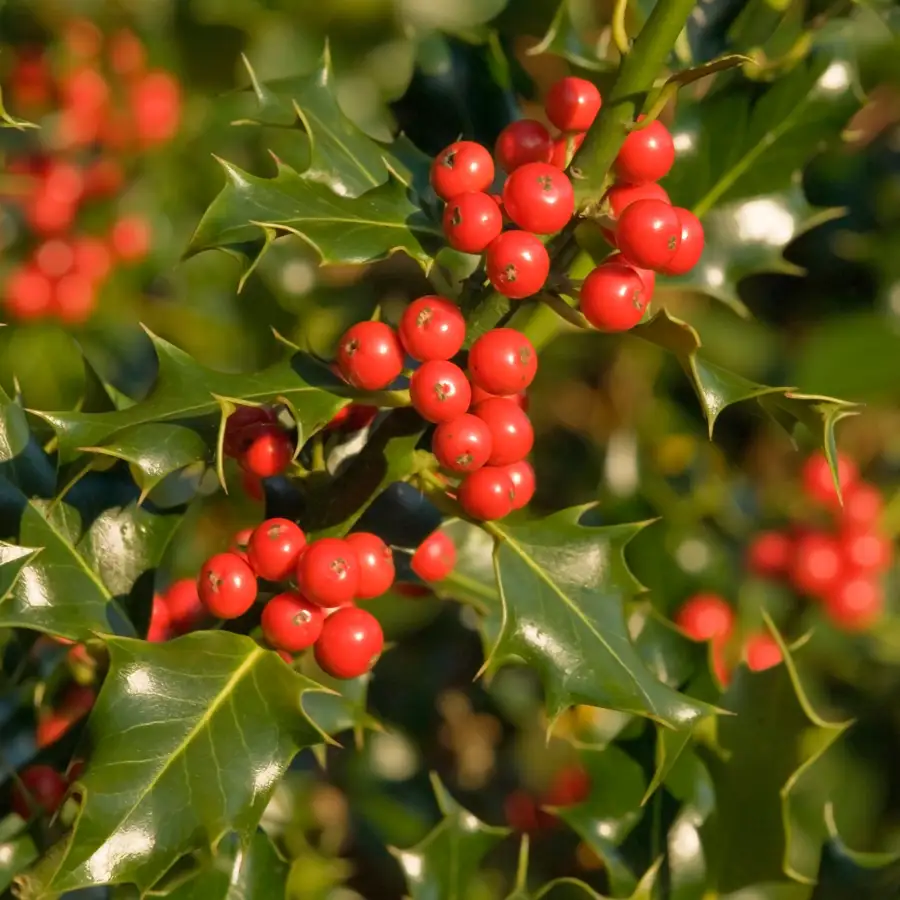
x,y
476,525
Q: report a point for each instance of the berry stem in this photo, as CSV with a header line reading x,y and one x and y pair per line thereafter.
x,y
619,34
318,453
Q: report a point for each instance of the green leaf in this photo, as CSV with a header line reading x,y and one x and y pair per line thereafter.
x,y
572,20
194,733
23,462
17,849
446,861
8,121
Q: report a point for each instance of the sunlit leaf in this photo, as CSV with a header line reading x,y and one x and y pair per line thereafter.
x,y
568,37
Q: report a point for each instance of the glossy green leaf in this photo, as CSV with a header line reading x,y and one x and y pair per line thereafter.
x,y
445,862
23,462
17,849
567,37
190,739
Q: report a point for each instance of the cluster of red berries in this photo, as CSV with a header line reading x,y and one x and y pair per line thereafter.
x,y
526,813
483,432
262,446
110,105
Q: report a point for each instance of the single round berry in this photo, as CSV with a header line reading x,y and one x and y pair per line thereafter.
x,y
184,606
503,361
539,198
328,573
240,543
268,452
28,293
517,264
487,494
816,565
463,444
855,603
560,156
691,247
648,234
274,548
462,167
620,196
706,617
479,394
376,564
570,786
291,623
353,417
863,505
769,554
647,154
866,551
370,355
512,435
240,426
159,628
762,652
521,474
350,643
818,482
432,327
471,222
156,107
648,276
439,391
92,258
74,298
435,557
227,586
572,104
613,297
40,789
130,238
523,142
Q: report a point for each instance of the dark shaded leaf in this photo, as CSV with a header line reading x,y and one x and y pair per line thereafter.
x,y
23,462
567,37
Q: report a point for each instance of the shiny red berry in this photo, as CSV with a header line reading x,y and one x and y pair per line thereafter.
x,y
435,557
522,142
241,426
439,391
517,264
647,154
762,652
648,234
572,104
560,157
705,617
479,394
569,787
370,355
471,222
185,608
487,493
865,550
350,643
863,505
512,435
648,276
521,474
503,361
291,623
328,573
539,198
274,548
462,167
691,247
227,586
240,543
818,482
432,327
816,564
28,294
376,564
769,553
855,603
268,452
39,790
613,297
620,196
159,628
463,444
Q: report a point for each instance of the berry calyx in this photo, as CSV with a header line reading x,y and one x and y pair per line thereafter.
x,y
432,327
691,247
376,564
471,221
818,482
439,391
227,586
328,573
648,234
183,604
762,652
647,154
291,623
512,435
462,167
769,554
572,104
855,603
816,566
39,789
350,643
539,198
521,474
370,355
503,361
435,557
613,297
517,264
523,142
274,548
463,444
268,452
706,617
487,494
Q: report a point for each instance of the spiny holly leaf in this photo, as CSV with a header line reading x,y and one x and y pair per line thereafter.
x,y
17,849
194,733
186,392
574,18
23,462
446,861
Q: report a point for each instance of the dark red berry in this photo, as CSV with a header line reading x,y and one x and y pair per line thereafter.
x,y
159,628
291,623
439,391
560,156
539,198
570,786
487,493
613,297
376,564
350,643
572,104
432,327
523,142
274,548
769,553
691,247
471,222
370,355
462,167
328,573
227,586
503,361
268,452
512,436
647,154
818,482
762,652
185,608
39,790
517,264
521,474
648,234
435,557
462,444
855,603
816,565
705,617
237,427
620,196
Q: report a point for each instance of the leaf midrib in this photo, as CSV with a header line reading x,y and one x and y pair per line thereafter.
x,y
370,177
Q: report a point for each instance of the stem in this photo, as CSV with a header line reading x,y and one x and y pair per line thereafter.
x,y
619,33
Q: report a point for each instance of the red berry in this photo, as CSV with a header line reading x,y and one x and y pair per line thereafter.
x,y
39,789
512,435
268,452
479,394
863,504
130,238
462,444
647,154
353,417
560,156
83,39
462,167
620,196
28,294
92,258
648,234
503,361
691,247
487,493
159,628
51,726
253,486
54,258
769,553
241,427
523,142
613,297
439,391
241,542
539,198
435,557
521,474
126,53
290,622
63,183
103,178
648,276
705,617
818,481
350,644
816,565
328,573
376,564
570,786
517,264
182,600
227,586
522,812
74,298
156,106
274,548
572,104
855,603
471,222
432,327
370,356
762,652
866,551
